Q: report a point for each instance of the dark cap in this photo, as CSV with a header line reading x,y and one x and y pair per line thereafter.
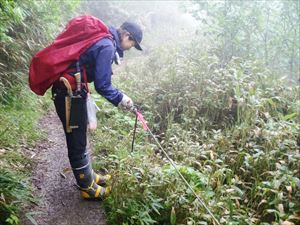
x,y
135,31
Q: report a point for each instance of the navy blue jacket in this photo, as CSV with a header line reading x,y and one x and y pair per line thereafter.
x,y
98,60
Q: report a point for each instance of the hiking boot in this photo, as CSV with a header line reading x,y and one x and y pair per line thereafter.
x,y
95,192
101,180
88,181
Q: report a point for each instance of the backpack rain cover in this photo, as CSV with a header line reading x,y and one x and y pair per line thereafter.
x,y
48,64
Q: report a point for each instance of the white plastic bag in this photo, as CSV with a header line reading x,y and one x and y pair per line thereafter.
x,y
92,109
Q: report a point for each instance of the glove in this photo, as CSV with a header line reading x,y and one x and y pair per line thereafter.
x,y
126,103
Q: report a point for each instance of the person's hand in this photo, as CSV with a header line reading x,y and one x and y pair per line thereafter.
x,y
126,103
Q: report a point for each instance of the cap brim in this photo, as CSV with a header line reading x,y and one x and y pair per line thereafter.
x,y
138,47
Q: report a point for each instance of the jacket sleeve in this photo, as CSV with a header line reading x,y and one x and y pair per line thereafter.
x,y
103,73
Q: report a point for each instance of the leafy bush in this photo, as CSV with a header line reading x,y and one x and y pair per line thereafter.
x,y
14,192
26,26
235,123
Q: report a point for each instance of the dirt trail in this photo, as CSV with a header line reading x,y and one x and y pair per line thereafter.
x,y
60,202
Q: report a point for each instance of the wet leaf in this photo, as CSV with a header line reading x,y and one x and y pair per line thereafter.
x,y
173,216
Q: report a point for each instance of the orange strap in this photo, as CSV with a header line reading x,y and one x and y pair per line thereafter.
x,y
85,79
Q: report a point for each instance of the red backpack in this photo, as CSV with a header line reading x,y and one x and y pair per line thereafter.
x,y
49,64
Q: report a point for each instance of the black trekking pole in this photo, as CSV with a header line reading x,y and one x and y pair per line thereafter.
x,y
134,131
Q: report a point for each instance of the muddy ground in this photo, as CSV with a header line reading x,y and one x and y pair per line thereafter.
x,y
59,199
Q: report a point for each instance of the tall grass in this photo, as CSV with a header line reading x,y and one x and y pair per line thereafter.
x,y
233,131
26,26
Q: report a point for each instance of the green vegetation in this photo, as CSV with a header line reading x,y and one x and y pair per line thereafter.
x,y
233,132
220,94
226,115
26,26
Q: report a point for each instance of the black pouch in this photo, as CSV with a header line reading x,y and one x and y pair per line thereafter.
x,y
78,105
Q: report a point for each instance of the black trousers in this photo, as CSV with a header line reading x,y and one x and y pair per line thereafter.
x,y
77,139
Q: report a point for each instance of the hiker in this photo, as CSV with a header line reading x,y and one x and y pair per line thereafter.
x,y
95,65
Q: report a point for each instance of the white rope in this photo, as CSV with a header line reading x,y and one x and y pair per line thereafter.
x,y
182,177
